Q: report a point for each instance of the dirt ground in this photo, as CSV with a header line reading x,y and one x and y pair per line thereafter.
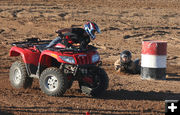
x,y
124,24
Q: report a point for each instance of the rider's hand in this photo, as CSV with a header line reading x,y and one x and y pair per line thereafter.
x,y
58,32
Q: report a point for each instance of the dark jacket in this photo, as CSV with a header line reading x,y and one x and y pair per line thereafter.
x,y
76,35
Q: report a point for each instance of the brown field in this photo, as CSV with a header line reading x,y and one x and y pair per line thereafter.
x,y
124,24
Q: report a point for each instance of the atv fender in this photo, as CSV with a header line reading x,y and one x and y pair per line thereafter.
x,y
27,55
46,57
16,51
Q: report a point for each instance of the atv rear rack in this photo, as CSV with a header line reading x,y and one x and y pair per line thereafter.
x,y
30,42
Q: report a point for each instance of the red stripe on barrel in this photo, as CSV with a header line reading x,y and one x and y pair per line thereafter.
x,y
153,59
154,47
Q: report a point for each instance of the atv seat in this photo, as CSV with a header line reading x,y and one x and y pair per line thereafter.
x,y
41,47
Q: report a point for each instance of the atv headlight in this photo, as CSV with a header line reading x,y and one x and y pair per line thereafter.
x,y
95,58
68,59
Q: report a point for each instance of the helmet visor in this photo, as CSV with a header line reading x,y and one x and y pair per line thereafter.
x,y
125,58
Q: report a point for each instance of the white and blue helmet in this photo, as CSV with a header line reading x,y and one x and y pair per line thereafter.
x,y
90,27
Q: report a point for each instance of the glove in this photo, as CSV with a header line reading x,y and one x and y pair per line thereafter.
x,y
59,33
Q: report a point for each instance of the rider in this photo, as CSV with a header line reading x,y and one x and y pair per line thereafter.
x,y
125,64
76,35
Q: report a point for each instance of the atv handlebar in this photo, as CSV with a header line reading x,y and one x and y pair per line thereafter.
x,y
59,33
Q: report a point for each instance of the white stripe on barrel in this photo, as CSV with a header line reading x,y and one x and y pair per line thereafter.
x,y
153,59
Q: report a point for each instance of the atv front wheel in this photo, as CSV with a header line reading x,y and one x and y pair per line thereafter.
x,y
95,84
53,82
18,76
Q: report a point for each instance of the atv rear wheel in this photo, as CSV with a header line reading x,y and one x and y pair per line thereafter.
x,y
53,82
96,84
18,76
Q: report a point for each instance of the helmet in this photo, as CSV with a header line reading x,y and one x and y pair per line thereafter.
x,y
90,28
125,56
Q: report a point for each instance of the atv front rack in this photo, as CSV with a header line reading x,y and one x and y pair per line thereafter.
x,y
74,50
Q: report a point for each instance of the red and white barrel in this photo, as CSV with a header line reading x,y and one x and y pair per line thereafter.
x,y
153,59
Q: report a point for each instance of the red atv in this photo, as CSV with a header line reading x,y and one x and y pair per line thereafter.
x,y
57,68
